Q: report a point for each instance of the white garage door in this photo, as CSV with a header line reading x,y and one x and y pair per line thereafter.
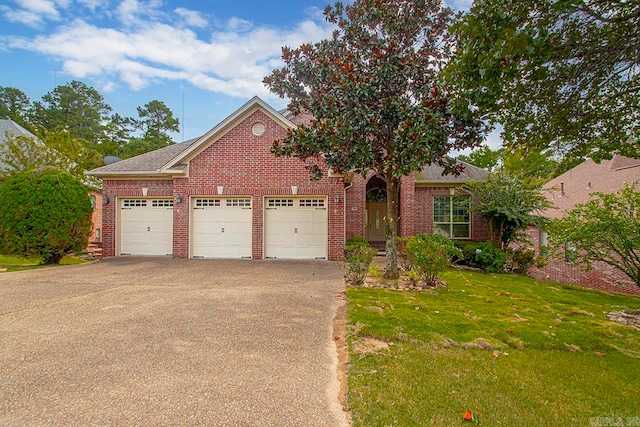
x,y
221,228
296,228
146,227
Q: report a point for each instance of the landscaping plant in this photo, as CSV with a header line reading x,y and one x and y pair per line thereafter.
x,y
44,213
358,256
430,255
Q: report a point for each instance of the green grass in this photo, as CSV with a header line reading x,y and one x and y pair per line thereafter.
x,y
13,263
514,350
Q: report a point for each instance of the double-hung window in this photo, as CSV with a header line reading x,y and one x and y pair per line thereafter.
x,y
451,216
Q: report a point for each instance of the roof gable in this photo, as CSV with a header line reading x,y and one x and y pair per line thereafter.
x,y
225,126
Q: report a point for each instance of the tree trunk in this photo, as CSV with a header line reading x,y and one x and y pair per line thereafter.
x,y
391,226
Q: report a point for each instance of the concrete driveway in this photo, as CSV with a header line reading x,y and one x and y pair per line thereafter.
x,y
160,341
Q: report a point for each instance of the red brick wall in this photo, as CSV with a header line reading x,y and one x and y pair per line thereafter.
x,y
602,276
356,209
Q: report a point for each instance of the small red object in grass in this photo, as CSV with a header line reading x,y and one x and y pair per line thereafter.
x,y
510,331
468,416
336,338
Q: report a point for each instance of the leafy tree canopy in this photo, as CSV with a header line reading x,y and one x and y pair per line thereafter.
x,y
14,105
156,122
76,107
606,228
44,213
56,148
559,74
484,157
374,94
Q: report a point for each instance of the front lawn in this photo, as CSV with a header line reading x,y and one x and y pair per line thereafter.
x,y
513,350
13,263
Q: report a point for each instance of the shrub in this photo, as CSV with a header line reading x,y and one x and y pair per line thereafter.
x,y
430,255
520,260
44,213
356,241
357,258
482,255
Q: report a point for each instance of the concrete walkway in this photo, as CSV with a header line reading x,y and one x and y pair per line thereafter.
x,y
159,341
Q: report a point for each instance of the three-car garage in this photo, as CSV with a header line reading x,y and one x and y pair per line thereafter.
x,y
223,227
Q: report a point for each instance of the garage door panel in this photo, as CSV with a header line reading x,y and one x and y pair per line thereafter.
x,y
222,228
296,228
146,227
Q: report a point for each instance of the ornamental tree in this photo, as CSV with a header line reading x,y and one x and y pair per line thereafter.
x,y
374,92
508,205
606,228
559,74
44,213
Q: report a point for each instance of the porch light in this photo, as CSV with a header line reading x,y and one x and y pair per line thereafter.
x,y
336,198
178,199
105,200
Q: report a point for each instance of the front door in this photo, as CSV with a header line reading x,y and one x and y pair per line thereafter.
x,y
375,221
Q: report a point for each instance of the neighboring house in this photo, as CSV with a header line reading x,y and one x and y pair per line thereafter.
x,y
566,191
9,128
224,195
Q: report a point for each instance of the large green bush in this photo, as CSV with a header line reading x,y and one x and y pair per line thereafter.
x,y
482,255
44,213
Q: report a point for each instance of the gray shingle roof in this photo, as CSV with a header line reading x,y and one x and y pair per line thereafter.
x,y
9,127
608,176
432,174
150,162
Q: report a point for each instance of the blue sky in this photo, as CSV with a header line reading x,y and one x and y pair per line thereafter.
x,y
212,54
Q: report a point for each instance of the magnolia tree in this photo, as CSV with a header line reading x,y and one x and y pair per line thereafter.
x,y
375,95
606,228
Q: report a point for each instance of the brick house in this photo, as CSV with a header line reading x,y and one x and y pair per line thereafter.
x,y
566,191
224,195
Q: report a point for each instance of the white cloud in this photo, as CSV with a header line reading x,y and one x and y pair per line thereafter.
x,y
134,12
40,7
231,62
238,24
21,16
31,12
191,17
